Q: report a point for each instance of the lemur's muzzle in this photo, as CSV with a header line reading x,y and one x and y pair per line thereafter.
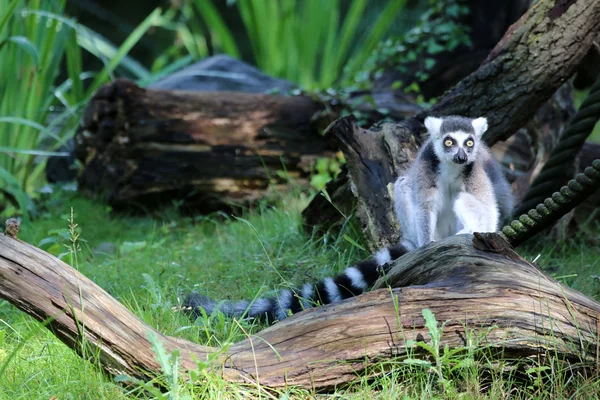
x,y
460,157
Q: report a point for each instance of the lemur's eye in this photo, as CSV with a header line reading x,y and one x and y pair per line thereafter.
x,y
448,143
470,143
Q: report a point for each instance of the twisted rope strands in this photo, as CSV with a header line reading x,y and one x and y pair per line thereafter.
x,y
556,170
552,208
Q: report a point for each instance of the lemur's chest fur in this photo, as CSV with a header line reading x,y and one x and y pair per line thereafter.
x,y
450,183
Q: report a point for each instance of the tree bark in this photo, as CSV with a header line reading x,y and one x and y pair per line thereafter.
x,y
376,157
533,59
481,285
141,147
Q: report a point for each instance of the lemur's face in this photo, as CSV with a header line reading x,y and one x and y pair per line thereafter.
x,y
455,139
458,146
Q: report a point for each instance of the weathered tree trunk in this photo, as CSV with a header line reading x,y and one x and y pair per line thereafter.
x,y
534,58
374,158
141,147
490,289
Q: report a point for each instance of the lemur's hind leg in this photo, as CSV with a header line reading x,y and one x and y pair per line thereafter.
x,y
405,212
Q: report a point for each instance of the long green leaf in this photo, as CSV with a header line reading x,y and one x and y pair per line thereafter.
x,y
216,24
74,67
101,47
23,43
32,124
380,28
328,72
349,29
169,69
8,14
127,45
10,150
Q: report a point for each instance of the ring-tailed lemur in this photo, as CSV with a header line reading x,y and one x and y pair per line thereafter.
x,y
454,186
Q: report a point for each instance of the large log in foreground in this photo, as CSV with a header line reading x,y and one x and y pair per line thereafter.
x,y
478,284
142,147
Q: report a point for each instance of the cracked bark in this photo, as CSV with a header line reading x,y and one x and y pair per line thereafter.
x,y
480,284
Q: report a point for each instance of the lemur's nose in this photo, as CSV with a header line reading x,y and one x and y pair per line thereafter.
x,y
460,157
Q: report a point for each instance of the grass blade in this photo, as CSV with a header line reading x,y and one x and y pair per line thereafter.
x,y
127,45
8,14
216,24
24,44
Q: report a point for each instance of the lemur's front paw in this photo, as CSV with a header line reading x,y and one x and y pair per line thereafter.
x,y
462,231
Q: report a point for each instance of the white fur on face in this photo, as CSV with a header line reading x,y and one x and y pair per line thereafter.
x,y
459,137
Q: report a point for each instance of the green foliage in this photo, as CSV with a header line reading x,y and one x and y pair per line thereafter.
x,y
439,29
308,42
169,365
579,96
259,254
31,49
37,113
326,169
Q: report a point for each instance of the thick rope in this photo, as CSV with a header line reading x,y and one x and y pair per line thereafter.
x,y
551,209
556,171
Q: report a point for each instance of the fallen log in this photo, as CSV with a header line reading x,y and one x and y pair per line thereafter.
x,y
481,285
210,149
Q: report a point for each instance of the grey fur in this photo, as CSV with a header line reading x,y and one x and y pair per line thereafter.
x,y
455,123
437,197
353,281
454,188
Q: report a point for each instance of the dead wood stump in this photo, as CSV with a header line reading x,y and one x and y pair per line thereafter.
x,y
210,150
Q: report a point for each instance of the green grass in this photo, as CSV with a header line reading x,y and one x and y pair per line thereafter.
x,y
159,258
578,97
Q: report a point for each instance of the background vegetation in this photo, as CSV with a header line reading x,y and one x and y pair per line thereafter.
x,y
52,62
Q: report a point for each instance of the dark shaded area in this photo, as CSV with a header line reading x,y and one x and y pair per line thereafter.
x,y
487,22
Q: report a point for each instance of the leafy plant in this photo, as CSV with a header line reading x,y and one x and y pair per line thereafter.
x,y
308,42
439,29
37,113
325,170
445,361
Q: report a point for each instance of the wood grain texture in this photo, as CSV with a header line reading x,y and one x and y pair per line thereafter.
x,y
480,285
143,147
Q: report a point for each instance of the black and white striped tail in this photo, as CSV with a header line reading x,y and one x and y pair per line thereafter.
x,y
352,282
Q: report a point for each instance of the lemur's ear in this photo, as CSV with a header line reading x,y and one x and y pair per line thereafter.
x,y
480,125
433,126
